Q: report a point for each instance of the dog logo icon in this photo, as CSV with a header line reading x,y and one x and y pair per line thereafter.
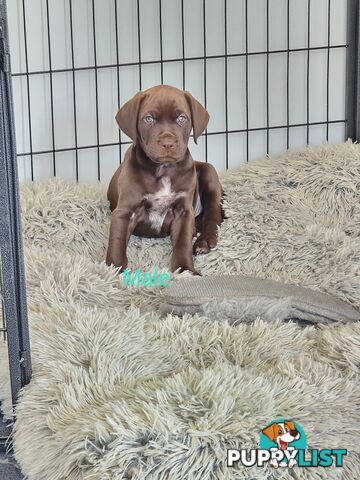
x,y
282,436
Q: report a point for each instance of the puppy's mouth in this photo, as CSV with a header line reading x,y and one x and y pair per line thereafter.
x,y
162,156
283,445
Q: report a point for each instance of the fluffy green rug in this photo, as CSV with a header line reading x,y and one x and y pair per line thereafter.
x,y
119,392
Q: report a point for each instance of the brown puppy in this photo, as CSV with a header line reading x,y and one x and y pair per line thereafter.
x,y
159,189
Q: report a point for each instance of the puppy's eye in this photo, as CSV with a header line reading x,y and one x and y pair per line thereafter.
x,y
149,119
181,119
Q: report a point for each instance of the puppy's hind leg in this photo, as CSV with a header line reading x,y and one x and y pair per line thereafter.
x,y
210,193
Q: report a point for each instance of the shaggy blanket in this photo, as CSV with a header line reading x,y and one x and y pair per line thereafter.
x,y
120,392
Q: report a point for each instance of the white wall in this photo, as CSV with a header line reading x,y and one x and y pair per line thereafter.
x,y
40,100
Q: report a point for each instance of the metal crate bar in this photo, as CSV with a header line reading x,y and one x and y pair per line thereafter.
x,y
11,249
353,71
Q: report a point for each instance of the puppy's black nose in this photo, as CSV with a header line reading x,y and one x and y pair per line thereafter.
x,y
294,433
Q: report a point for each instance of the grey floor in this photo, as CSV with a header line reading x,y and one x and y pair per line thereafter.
x,y
8,468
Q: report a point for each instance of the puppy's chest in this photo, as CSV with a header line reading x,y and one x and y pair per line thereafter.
x,y
161,201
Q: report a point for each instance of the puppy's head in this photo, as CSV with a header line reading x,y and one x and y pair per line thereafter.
x,y
282,432
160,121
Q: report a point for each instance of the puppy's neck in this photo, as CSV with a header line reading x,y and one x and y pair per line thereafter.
x,y
163,169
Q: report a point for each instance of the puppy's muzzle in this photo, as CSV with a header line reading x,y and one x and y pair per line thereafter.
x,y
167,143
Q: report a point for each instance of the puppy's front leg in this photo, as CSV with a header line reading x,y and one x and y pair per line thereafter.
x,y
181,233
122,224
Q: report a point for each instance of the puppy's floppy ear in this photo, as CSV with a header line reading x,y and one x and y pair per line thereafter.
x,y
127,116
271,431
290,424
199,116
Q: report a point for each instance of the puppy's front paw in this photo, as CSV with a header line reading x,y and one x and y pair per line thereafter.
x,y
204,243
184,268
190,269
117,262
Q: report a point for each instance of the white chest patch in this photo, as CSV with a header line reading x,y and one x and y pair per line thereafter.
x,y
160,202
